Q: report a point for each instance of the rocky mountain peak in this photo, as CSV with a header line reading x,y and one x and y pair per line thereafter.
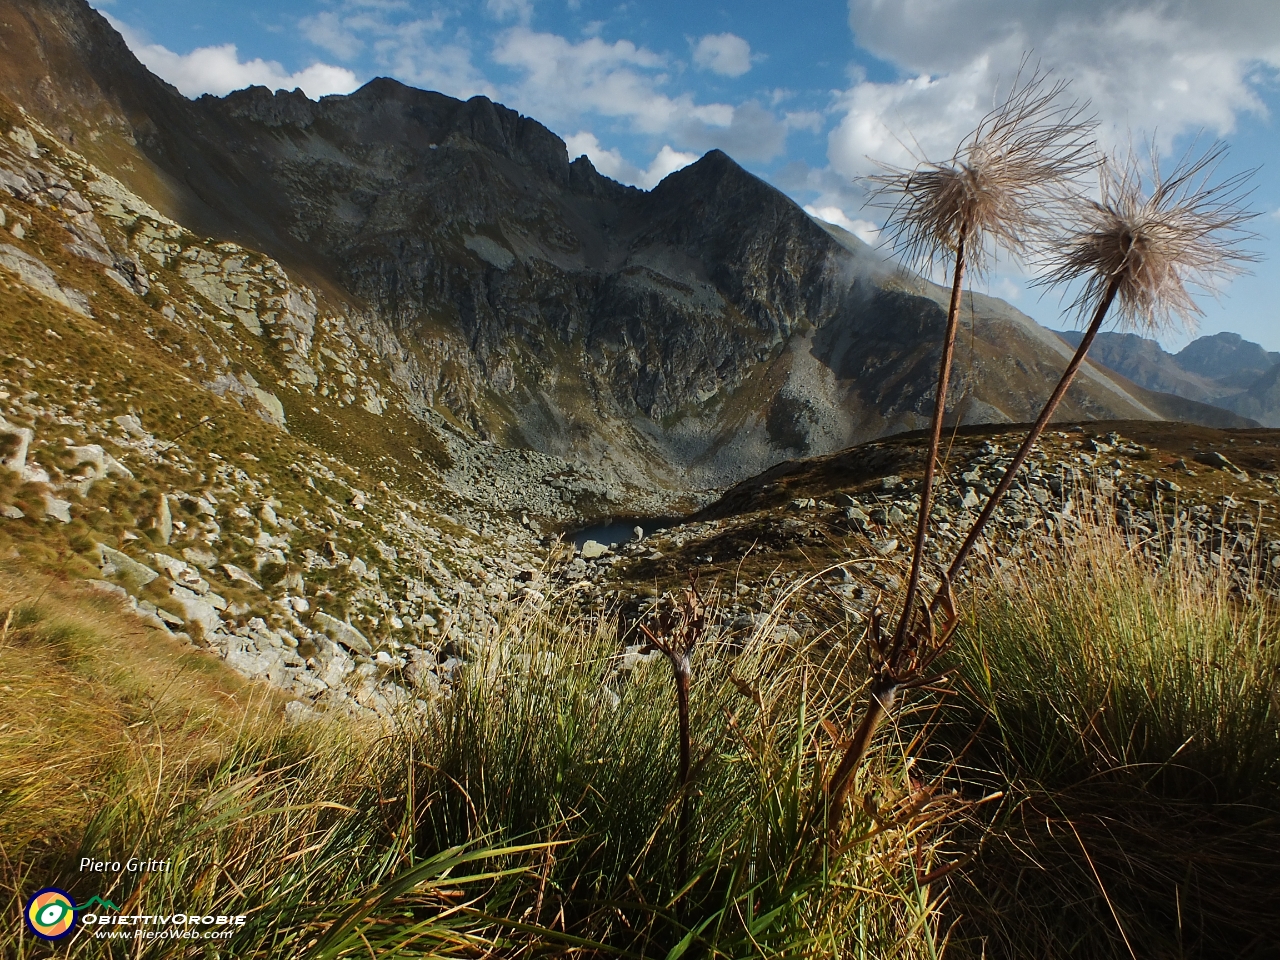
x,y
1225,354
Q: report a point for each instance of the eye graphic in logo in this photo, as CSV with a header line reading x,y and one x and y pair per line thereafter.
x,y
51,913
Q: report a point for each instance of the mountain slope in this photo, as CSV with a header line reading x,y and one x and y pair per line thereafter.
x,y
688,336
1224,370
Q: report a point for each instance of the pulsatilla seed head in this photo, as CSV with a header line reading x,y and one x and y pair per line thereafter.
x,y
1150,237
1000,188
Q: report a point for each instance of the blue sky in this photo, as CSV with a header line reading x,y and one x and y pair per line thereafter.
x,y
806,94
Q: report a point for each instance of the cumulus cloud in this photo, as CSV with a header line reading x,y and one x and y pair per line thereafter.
x,y
562,82
612,164
219,70
864,230
415,49
724,53
666,162
1148,66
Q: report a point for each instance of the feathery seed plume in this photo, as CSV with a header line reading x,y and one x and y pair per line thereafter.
x,y
999,189
1187,231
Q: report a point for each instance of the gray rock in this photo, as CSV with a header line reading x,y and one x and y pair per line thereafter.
x,y
591,550
36,275
56,509
103,463
236,575
195,609
164,520
1215,459
181,573
295,711
131,425
11,513
201,558
269,407
18,442
342,632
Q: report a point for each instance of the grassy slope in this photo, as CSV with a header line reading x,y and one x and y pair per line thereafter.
x,y
1118,719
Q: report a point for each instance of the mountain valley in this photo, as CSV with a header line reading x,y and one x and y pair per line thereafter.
x,y
316,386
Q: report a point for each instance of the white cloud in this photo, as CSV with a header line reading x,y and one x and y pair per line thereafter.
x,y
1147,66
414,49
413,56
334,33
864,230
612,164
219,70
809,120
667,162
561,82
724,53
563,79
609,162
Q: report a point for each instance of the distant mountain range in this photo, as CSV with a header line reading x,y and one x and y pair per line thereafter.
x,y
1223,369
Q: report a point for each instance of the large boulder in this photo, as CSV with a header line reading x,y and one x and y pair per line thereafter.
x,y
114,563
342,632
196,609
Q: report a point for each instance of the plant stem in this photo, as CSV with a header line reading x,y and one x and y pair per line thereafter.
x,y
883,690
880,702
1036,429
683,670
935,444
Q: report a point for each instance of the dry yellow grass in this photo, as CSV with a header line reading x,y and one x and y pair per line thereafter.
x,y
89,692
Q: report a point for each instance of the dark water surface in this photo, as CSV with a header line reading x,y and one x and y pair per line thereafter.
x,y
615,531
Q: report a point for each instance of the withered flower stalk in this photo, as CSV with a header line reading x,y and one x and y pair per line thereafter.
x,y
996,193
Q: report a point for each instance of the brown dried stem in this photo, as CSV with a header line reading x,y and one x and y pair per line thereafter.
x,y
677,634
996,192
990,195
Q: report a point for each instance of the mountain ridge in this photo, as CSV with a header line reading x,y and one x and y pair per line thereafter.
x,y
685,336
1222,369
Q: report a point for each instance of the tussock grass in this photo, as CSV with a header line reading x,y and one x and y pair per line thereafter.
x,y
1123,706
531,812
1129,707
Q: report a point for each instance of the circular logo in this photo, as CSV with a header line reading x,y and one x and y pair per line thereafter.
x,y
51,913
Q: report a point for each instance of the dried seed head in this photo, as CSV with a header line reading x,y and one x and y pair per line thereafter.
x,y
1187,231
999,188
